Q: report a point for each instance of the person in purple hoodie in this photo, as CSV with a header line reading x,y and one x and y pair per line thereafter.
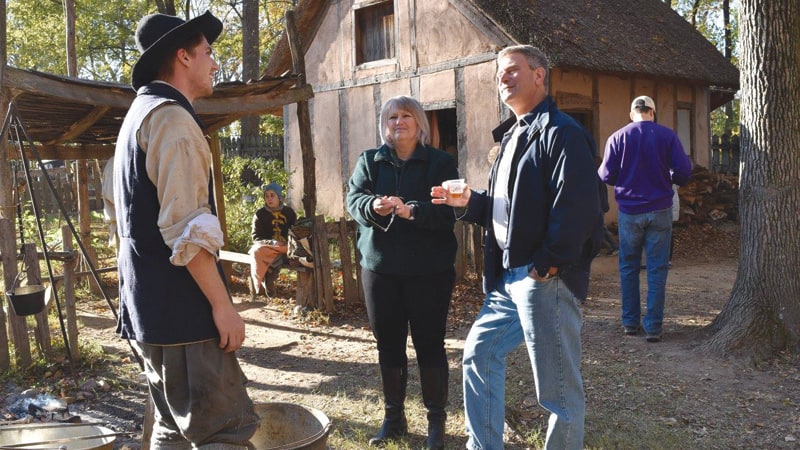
x,y
642,160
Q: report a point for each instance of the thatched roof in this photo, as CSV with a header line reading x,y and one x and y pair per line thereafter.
x,y
60,111
626,37
641,37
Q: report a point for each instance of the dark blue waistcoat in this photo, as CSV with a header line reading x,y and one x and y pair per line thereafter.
x,y
160,303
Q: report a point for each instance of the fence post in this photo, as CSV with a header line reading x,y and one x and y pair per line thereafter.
x,y
8,242
69,295
34,274
322,264
349,287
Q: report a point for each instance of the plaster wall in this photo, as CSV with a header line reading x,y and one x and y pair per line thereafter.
x,y
327,152
702,126
481,114
615,104
293,157
665,104
437,87
330,53
362,125
444,34
642,86
570,81
393,88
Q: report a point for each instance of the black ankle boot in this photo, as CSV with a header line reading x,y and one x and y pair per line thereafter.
x,y
434,396
394,394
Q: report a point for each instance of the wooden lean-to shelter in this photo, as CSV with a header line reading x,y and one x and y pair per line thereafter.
x,y
74,119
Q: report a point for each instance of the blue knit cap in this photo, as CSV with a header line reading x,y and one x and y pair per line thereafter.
x,y
274,187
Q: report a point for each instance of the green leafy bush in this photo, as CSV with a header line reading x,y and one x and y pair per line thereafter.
x,y
243,178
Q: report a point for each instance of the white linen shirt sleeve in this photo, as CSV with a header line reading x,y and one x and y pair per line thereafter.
x,y
178,163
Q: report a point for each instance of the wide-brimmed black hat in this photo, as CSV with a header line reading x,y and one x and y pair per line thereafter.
x,y
159,34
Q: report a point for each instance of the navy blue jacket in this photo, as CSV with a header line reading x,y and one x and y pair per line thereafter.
x,y
555,218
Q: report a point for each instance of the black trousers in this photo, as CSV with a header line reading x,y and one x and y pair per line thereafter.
x,y
399,303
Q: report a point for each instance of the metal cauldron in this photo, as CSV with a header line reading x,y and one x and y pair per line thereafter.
x,y
288,426
26,300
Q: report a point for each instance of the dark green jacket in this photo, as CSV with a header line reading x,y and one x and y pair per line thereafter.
x,y
424,245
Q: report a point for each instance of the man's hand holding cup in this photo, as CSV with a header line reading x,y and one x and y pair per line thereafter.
x,y
452,192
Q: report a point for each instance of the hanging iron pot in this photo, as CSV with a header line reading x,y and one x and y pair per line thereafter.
x,y
26,300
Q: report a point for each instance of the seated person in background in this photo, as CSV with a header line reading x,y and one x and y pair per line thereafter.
x,y
271,225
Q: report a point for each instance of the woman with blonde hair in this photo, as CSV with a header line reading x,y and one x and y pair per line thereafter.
x,y
408,251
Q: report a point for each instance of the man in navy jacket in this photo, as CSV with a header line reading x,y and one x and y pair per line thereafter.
x,y
543,227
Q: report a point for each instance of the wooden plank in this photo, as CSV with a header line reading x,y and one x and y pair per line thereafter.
x,y
322,266
85,221
349,285
35,277
94,93
65,152
305,290
7,242
231,109
77,128
227,255
19,332
303,120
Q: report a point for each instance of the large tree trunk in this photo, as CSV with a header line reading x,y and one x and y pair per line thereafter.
x,y
762,316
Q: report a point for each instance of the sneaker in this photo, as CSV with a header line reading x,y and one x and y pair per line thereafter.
x,y
631,331
651,337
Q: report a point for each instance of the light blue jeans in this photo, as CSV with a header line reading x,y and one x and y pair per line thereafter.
x,y
547,317
652,232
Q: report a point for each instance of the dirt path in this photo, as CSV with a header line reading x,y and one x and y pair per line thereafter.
x,y
630,384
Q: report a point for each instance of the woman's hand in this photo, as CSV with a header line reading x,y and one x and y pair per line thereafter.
x,y
383,205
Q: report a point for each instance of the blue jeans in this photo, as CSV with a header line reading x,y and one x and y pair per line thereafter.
x,y
547,317
652,232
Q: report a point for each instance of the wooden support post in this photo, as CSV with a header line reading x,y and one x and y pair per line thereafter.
x,y
349,283
322,265
85,221
359,282
19,333
303,119
305,289
7,242
34,274
216,173
69,296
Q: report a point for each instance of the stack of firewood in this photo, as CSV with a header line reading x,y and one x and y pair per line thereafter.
x,y
709,197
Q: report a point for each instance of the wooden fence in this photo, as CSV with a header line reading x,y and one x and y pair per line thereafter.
x,y
725,154
63,179
268,146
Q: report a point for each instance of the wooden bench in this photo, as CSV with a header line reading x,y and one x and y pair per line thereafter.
x,y
315,285
304,275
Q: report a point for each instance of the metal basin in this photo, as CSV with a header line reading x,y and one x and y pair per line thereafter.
x,y
52,435
287,426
